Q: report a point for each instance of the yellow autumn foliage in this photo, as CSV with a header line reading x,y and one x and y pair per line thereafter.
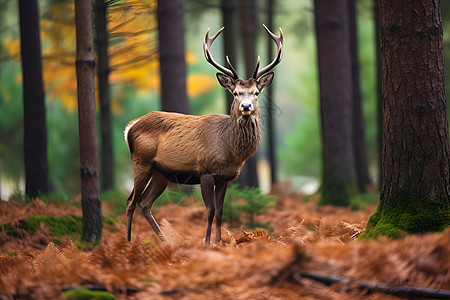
x,y
198,84
12,46
132,52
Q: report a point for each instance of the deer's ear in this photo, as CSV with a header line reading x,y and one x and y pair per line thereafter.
x,y
265,80
225,81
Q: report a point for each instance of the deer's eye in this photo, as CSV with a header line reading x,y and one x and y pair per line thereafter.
x,y
235,94
256,94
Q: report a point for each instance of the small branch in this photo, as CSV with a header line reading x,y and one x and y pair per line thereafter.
x,y
370,286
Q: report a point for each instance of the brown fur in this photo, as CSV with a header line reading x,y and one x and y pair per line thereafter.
x,y
210,150
214,144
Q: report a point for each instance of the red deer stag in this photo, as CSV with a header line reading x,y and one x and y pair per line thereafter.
x,y
209,150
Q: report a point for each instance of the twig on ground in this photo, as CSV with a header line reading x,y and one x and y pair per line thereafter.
x,y
370,286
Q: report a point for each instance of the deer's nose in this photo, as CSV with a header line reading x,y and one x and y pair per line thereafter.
x,y
246,107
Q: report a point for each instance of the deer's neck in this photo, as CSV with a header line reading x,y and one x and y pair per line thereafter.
x,y
244,134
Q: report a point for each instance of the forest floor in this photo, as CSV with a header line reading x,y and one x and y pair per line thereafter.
x,y
248,264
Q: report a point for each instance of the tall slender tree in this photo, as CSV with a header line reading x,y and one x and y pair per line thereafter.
x,y
333,45
359,140
89,165
35,129
415,190
249,174
270,103
107,154
229,20
171,56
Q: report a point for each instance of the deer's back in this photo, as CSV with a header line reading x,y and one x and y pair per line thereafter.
x,y
180,143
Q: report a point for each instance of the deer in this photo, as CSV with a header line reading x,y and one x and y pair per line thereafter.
x,y
209,150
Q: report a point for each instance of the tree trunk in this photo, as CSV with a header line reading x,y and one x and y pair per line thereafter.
x,y
333,45
89,166
249,174
359,137
35,129
271,142
379,119
103,95
171,56
445,12
415,194
229,20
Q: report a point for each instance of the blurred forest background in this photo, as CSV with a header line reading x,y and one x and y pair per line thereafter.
x,y
135,85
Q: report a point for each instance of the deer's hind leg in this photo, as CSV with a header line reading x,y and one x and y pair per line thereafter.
x,y
157,185
142,175
131,206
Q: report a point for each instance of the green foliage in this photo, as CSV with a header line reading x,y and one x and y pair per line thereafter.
x,y
342,194
230,212
177,195
81,293
300,152
19,196
172,195
59,197
11,122
117,198
370,198
63,149
249,201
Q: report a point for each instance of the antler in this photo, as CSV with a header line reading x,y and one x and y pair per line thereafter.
x,y
207,50
279,41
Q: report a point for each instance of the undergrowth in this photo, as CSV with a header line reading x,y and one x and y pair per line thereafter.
x,y
172,195
248,202
81,293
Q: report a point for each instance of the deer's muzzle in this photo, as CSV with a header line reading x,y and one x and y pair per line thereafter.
x,y
246,108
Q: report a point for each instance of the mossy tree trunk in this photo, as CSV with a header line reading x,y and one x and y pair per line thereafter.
x,y
333,45
415,194
89,165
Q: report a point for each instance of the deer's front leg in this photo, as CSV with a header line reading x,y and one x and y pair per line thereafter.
x,y
207,188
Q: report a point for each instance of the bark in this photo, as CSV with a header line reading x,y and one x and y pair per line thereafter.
x,y
445,11
379,119
89,165
249,174
103,95
359,138
35,129
229,20
171,56
333,45
415,194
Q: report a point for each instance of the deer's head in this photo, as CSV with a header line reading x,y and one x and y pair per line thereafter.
x,y
245,92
